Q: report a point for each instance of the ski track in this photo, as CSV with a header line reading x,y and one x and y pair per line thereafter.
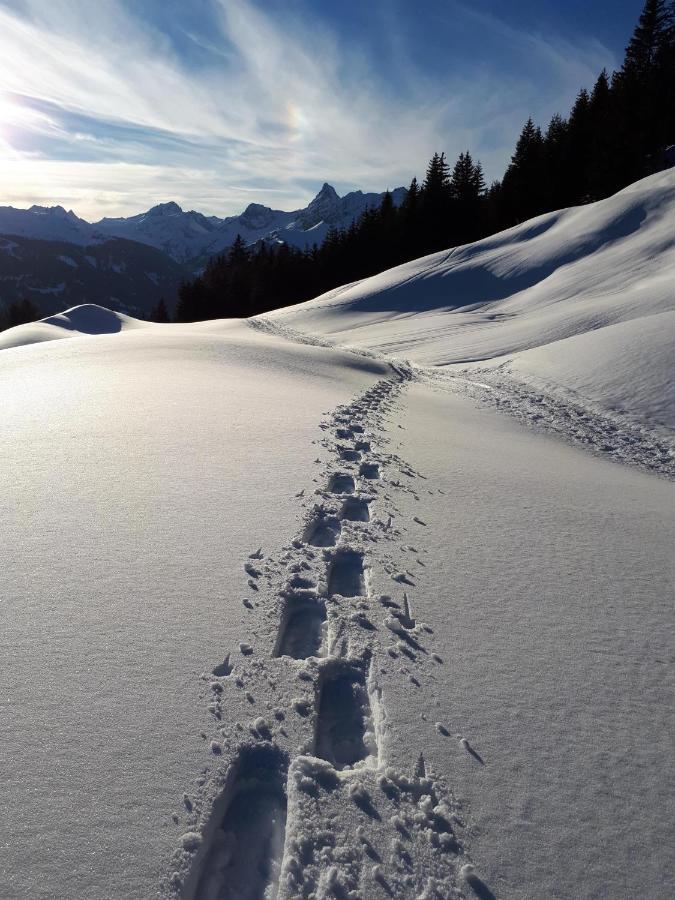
x,y
558,412
614,436
299,800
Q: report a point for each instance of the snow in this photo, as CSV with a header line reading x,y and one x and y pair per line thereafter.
x,y
284,619
625,367
46,223
186,235
566,299
547,578
56,289
140,461
68,260
88,319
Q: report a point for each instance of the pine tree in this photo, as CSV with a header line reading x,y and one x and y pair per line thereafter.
x,y
386,250
602,172
467,183
580,130
409,215
651,36
555,153
238,254
645,92
20,312
410,204
160,313
467,186
436,203
478,179
523,185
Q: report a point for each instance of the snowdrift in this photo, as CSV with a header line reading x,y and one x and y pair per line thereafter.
x,y
601,271
87,319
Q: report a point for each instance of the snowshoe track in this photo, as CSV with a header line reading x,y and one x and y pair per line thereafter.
x,y
300,726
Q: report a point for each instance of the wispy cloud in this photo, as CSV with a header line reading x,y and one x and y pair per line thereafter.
x,y
102,112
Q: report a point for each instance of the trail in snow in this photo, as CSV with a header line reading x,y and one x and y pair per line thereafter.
x,y
560,413
302,800
615,437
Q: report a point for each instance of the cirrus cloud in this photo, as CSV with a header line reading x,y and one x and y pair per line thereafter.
x,y
106,111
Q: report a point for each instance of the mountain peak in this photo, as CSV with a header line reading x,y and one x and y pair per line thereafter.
x,y
165,209
256,216
254,208
327,192
57,212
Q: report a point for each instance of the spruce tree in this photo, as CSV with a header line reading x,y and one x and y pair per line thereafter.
x,y
20,312
159,312
555,153
580,130
651,36
467,186
435,204
523,185
602,172
645,92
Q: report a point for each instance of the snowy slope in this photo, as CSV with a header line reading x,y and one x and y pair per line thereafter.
x,y
526,297
146,466
50,223
274,613
285,620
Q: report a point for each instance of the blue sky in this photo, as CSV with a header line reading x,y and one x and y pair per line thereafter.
x,y
111,106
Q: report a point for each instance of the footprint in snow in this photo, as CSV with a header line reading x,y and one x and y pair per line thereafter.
x,y
480,889
469,749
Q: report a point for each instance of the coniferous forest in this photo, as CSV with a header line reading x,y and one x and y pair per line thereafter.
x,y
619,132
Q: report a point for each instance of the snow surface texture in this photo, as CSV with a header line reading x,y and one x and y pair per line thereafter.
x,y
499,619
404,648
142,463
308,798
577,304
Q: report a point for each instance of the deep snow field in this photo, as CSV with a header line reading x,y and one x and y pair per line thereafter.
x,y
371,597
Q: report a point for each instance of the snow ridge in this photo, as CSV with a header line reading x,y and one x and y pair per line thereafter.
x,y
306,795
616,437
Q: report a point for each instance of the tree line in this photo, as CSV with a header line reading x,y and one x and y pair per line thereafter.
x,y
18,313
614,135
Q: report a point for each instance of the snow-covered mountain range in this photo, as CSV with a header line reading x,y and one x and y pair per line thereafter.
x,y
189,235
55,259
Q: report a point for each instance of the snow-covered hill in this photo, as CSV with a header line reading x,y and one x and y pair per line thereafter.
x,y
186,236
580,301
283,619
